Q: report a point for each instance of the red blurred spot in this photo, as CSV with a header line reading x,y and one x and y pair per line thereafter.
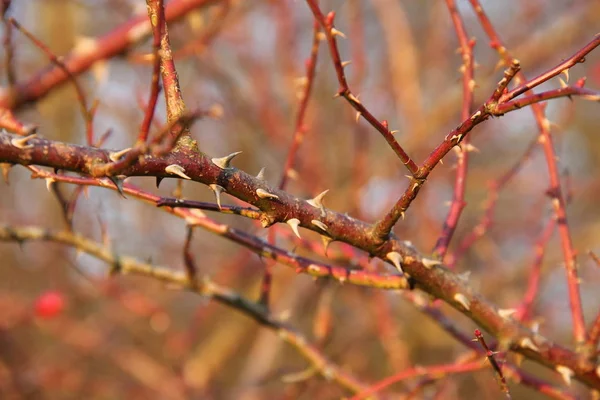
x,y
49,304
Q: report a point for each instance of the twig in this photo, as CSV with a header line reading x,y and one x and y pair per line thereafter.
x,y
490,355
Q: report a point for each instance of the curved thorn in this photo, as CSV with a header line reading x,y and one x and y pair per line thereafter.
x,y
261,174
217,189
293,223
319,224
263,194
176,170
396,259
224,162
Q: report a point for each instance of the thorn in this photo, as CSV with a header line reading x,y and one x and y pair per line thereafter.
x,y
566,373
261,174
396,259
402,214
116,156
506,313
319,224
463,301
441,161
335,32
224,162
326,242
176,170
563,84
263,194
49,182
321,36
119,184
470,148
217,189
317,201
566,74
158,180
394,132
527,343
21,143
429,263
293,223
353,98
346,63
357,116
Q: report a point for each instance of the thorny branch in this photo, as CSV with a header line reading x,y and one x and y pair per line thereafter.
x,y
273,205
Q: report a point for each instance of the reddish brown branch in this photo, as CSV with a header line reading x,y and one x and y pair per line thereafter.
x,y
545,139
458,198
327,25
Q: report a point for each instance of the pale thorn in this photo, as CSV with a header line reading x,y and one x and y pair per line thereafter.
x,y
396,259
21,143
357,117
321,36
263,194
326,242
346,63
462,300
261,174
442,161
394,132
430,263
217,189
293,223
563,84
566,373
565,72
402,214
116,156
177,170
470,148
353,98
319,224
506,313
224,162
472,84
335,32
317,201
49,181
292,174
527,343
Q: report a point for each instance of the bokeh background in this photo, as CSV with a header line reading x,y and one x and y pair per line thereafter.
x,y
134,338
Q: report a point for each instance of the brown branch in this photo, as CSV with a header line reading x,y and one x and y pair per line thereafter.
x,y
434,279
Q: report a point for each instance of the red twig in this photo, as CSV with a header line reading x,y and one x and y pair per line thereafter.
x,y
327,25
157,24
524,310
490,355
300,127
88,114
458,199
545,139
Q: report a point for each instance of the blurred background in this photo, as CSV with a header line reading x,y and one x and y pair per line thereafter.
x,y
135,338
